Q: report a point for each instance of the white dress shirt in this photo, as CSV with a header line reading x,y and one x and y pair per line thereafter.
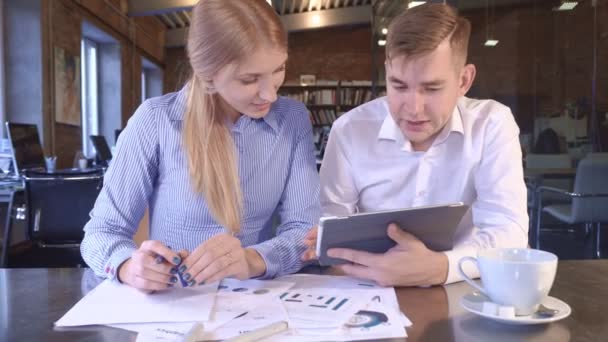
x,y
476,159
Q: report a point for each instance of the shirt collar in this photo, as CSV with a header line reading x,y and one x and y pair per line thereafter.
x,y
178,111
454,124
390,131
271,118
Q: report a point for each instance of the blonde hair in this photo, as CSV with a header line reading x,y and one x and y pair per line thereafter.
x,y
222,32
418,31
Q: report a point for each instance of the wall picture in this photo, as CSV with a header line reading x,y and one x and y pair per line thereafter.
x,y
67,88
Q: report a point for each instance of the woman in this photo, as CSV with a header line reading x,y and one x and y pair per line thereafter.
x,y
213,162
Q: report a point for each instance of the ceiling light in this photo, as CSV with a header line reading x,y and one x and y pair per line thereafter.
x,y
381,42
413,4
384,30
491,42
316,19
566,6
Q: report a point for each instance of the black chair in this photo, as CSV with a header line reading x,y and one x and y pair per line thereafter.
x,y
58,208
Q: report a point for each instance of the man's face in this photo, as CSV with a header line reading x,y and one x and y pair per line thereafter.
x,y
423,91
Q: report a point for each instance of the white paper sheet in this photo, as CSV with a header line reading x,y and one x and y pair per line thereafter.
x,y
375,322
379,318
267,313
384,295
228,305
111,303
321,308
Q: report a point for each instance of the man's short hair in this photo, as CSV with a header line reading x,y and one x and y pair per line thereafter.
x,y
419,30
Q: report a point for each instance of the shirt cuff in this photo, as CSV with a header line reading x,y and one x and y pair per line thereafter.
x,y
469,268
111,268
273,264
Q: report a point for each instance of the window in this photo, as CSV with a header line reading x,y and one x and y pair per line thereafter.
x,y
2,108
144,91
90,108
151,80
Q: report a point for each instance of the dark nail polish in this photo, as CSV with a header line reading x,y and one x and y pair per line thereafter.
x,y
173,270
182,268
177,260
173,279
202,283
187,276
192,283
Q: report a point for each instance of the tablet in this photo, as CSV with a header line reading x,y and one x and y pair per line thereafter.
x,y
433,225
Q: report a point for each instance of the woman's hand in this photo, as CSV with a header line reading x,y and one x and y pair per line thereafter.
x,y
221,257
152,267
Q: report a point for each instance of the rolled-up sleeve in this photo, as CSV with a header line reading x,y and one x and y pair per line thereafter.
x,y
128,185
299,209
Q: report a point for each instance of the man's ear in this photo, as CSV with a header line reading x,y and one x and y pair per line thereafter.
x,y
467,76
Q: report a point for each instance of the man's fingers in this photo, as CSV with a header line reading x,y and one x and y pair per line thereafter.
x,y
400,236
309,255
310,243
356,257
154,248
312,234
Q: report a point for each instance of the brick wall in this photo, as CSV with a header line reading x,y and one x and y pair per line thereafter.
x,y
336,54
333,54
544,58
61,27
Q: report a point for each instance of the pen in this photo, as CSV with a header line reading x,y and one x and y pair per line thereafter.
x,y
261,333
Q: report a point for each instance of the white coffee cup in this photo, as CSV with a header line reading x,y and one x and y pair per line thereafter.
x,y
518,277
82,163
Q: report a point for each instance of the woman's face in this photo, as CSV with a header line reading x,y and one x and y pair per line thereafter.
x,y
250,86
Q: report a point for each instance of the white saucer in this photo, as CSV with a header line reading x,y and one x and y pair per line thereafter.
x,y
473,302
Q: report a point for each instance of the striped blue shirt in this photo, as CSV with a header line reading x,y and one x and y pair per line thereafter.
x,y
276,168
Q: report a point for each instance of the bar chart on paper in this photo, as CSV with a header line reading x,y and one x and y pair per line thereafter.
x,y
320,307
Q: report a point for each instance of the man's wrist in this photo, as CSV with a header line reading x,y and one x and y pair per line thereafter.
x,y
442,269
257,266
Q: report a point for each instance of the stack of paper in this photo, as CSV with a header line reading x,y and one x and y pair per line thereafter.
x,y
317,308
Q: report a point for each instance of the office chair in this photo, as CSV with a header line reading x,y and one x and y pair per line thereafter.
x,y
589,199
58,208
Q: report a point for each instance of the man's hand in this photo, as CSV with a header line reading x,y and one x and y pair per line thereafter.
x,y
311,243
409,263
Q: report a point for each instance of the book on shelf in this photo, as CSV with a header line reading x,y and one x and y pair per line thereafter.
x,y
314,97
328,99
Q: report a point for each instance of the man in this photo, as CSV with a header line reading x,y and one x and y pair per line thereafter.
x,y
426,144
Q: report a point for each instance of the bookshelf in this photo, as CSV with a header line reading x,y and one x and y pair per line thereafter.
x,y
327,101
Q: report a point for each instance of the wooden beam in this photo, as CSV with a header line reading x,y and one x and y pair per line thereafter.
x,y
168,20
177,19
157,7
298,22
